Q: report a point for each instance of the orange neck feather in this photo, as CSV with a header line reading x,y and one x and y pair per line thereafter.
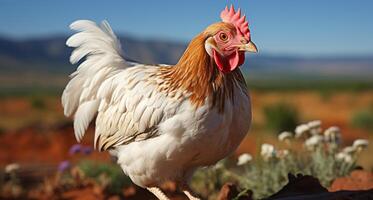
x,y
197,73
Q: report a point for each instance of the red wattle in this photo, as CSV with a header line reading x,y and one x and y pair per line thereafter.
x,y
228,63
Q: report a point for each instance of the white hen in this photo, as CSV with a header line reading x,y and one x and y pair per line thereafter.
x,y
162,122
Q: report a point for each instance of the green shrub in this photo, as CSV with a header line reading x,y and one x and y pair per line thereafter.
x,y
38,103
325,95
363,119
321,155
2,130
117,179
280,117
266,177
208,181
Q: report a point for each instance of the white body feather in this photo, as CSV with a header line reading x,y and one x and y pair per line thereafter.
x,y
156,136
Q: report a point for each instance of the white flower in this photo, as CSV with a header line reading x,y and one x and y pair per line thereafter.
x,y
219,165
348,159
314,141
332,129
361,143
244,158
267,151
349,150
342,156
333,134
301,130
314,124
285,136
11,167
282,153
315,127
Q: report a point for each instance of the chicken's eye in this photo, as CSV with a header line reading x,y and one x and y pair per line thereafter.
x,y
223,37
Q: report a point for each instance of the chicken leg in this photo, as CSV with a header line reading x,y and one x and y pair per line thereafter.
x,y
188,192
158,193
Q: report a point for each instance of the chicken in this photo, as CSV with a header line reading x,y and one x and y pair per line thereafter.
x,y
162,122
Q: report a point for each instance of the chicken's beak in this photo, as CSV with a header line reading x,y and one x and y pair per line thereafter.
x,y
249,47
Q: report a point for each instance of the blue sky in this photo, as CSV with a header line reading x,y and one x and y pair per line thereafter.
x,y
305,27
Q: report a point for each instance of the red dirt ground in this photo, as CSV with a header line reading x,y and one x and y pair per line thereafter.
x,y
358,180
32,145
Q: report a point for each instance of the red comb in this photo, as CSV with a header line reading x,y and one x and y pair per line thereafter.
x,y
231,16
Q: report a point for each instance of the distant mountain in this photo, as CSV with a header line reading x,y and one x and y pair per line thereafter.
x,y
52,55
49,56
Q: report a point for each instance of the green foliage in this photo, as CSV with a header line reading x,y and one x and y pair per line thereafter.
x,y
363,119
117,179
2,130
267,177
280,116
296,83
321,156
325,95
216,176
29,91
38,103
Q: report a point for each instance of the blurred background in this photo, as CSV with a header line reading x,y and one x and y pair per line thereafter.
x,y
315,63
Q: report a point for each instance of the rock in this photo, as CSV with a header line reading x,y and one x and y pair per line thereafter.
x,y
308,187
357,180
300,185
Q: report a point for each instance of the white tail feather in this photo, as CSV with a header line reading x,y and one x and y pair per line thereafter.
x,y
102,50
83,117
